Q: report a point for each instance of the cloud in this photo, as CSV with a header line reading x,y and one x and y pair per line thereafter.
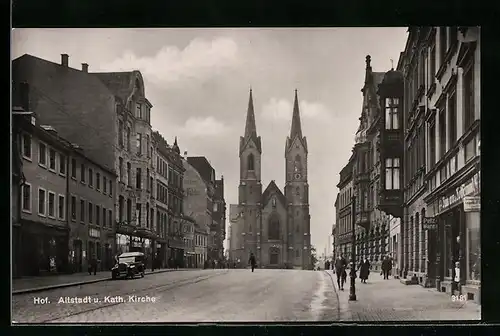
x,y
200,126
199,60
281,109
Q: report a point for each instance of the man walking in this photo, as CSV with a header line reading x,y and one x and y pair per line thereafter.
x,y
340,266
252,261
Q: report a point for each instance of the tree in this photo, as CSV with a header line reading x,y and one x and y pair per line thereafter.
x,y
314,259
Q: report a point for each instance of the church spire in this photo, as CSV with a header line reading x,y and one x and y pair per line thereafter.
x,y
296,127
250,128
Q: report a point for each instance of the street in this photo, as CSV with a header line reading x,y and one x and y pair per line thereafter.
x,y
235,295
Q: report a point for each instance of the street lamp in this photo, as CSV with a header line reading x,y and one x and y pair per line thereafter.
x,y
352,288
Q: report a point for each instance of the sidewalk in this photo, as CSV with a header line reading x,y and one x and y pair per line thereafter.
x,y
40,283
389,300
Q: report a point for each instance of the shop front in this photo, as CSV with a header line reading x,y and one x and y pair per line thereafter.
x,y
176,253
44,249
94,247
457,236
161,253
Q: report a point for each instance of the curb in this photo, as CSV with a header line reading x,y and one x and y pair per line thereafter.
x,y
79,283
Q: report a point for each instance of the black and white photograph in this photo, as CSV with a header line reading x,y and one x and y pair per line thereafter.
x,y
216,175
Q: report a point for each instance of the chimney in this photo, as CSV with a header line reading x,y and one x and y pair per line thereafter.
x,y
185,155
64,60
85,67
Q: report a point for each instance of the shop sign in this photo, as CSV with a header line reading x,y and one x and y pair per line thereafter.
x,y
472,204
468,188
429,223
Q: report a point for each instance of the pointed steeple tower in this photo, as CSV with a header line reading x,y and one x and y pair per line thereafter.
x,y
250,128
296,127
175,147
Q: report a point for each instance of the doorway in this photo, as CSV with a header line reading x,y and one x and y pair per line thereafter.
x,y
273,256
77,248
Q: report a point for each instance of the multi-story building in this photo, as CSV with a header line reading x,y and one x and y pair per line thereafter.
x,y
58,233
207,174
343,211
168,178
219,216
442,168
91,200
372,175
198,205
188,228
334,234
200,246
108,116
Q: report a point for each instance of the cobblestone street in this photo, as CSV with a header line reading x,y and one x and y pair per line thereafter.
x,y
389,300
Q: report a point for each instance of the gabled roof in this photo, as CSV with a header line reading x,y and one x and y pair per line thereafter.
x,y
250,127
273,188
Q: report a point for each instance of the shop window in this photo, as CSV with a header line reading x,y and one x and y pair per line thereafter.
x,y
473,247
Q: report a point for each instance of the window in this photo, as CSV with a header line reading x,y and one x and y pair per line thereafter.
x,y
468,79
110,218
42,194
104,217
120,133
104,184
120,169
442,130
97,215
250,162
432,143
452,118
139,143
147,179
151,184
392,174
91,212
138,110
52,205
110,187
128,138
120,208
432,65
442,44
98,181
26,197
365,200
52,159
82,210
129,210
138,213
138,178
62,164
147,215
391,113
73,168
73,208
91,177
297,253
61,207
42,154
129,174
147,145
82,173
26,139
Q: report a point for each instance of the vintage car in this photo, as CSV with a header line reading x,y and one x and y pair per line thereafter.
x,y
129,265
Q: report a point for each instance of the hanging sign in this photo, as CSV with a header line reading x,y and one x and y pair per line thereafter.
x,y
472,204
429,223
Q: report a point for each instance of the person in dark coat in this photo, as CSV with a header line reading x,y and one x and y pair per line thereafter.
x,y
93,265
252,261
327,265
340,270
386,267
364,270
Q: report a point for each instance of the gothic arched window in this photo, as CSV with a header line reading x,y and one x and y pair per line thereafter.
x,y
273,228
297,164
274,202
250,162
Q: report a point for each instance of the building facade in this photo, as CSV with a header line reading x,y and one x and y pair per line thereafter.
x,y
219,217
442,171
343,211
200,246
273,225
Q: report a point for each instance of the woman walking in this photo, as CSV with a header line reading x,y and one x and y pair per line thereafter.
x,y
364,270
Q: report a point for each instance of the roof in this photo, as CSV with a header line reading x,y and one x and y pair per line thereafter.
x,y
272,187
201,164
250,126
120,83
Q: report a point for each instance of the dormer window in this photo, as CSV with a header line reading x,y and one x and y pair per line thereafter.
x,y
391,113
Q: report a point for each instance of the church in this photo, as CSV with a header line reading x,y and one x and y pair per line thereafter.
x,y
271,224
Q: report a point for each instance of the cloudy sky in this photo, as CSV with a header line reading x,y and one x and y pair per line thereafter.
x,y
198,82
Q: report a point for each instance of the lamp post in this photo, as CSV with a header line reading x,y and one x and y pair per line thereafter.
x,y
352,288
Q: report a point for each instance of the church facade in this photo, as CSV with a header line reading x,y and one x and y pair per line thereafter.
x,y
271,224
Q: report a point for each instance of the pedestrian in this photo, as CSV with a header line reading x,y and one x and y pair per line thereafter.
x,y
364,270
386,267
340,266
93,265
252,261
455,285
327,265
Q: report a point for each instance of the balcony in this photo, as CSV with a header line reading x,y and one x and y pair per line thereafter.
x,y
363,219
391,202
